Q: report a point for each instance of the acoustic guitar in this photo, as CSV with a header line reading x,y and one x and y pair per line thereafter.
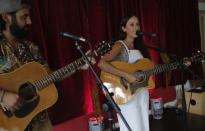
x,y
123,91
36,87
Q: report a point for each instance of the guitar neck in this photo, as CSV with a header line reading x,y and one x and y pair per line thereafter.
x,y
162,68
61,73
71,68
167,67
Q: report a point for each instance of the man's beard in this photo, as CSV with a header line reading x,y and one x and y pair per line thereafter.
x,y
17,31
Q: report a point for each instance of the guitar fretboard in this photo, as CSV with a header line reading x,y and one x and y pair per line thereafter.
x,y
162,68
70,68
172,66
59,74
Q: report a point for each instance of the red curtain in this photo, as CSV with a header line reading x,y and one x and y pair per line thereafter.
x,y
175,22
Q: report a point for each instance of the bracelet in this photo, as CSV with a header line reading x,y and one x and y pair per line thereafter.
x,y
2,95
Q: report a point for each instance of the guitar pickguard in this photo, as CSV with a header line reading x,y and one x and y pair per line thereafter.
x,y
134,87
31,99
27,108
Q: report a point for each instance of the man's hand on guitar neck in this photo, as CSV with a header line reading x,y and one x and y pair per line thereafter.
x,y
11,101
91,59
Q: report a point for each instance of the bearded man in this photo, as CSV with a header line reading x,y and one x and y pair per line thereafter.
x,y
15,52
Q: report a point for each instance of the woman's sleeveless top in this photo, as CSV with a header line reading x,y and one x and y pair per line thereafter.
x,y
128,56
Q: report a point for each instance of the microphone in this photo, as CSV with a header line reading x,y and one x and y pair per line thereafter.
x,y
65,34
146,34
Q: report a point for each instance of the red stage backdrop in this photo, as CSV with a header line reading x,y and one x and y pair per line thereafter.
x,y
175,22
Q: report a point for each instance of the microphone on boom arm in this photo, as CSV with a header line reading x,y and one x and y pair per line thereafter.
x,y
65,34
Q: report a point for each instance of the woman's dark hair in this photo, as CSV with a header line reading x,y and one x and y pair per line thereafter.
x,y
123,23
138,42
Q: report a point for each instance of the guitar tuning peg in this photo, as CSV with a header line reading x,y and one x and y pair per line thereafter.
x,y
202,61
198,51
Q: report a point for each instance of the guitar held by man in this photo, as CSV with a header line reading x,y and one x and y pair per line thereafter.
x,y
32,83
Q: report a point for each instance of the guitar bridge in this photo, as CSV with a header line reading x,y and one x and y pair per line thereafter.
x,y
141,84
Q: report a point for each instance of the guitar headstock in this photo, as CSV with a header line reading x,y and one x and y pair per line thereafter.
x,y
197,57
103,48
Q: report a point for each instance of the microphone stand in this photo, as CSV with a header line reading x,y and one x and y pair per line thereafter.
x,y
108,96
181,67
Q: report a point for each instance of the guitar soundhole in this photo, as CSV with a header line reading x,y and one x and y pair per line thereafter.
x,y
140,75
27,91
31,99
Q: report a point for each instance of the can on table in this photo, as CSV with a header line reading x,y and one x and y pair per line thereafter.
x,y
96,124
157,108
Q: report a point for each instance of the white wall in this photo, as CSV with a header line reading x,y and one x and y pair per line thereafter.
x,y
201,6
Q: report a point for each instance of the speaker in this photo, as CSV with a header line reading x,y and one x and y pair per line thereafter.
x,y
197,103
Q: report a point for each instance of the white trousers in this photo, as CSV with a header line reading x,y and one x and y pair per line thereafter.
x,y
136,112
